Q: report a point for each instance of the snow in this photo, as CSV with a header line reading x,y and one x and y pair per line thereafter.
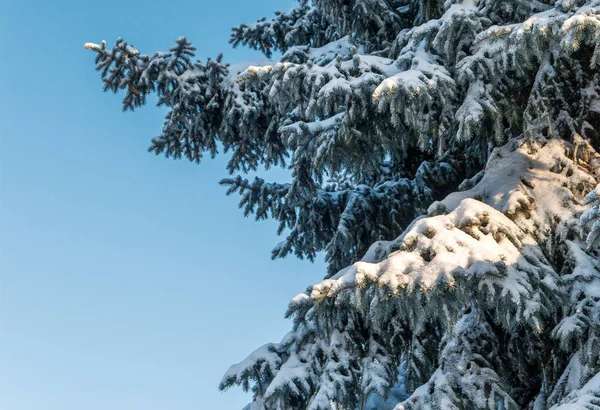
x,y
473,109
96,47
330,50
314,126
460,253
254,72
376,252
93,46
385,65
519,184
586,270
331,79
263,356
336,85
237,68
292,371
491,240
583,399
424,74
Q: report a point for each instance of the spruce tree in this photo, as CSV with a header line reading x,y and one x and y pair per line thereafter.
x,y
443,157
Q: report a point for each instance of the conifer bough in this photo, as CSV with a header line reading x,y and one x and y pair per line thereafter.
x,y
443,157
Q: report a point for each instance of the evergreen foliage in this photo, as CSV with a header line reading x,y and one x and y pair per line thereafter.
x,y
440,156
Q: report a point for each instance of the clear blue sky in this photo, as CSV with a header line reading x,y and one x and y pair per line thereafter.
x,y
127,281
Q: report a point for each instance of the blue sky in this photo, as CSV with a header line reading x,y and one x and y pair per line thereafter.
x,y
127,281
